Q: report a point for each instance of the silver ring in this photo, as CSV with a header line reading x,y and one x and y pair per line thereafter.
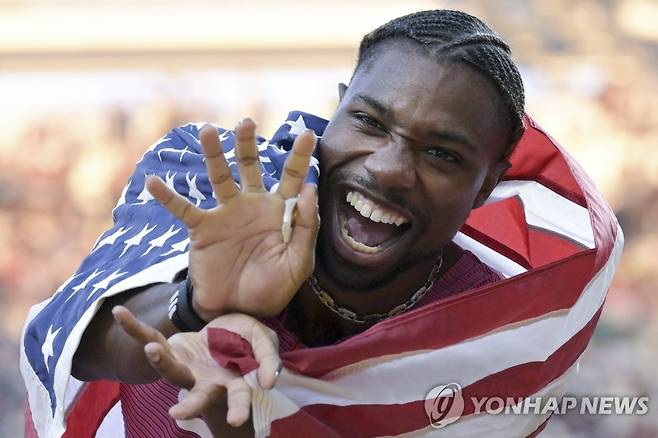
x,y
288,212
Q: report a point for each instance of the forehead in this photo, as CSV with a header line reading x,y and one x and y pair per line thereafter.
x,y
425,93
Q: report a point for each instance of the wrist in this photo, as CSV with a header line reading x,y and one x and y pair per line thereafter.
x,y
182,312
205,314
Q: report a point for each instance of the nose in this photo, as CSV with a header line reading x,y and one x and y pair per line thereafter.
x,y
392,165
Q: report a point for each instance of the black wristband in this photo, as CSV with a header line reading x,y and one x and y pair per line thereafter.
x,y
181,312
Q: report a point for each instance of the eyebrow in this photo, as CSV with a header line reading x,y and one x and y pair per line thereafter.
x,y
375,104
455,137
451,136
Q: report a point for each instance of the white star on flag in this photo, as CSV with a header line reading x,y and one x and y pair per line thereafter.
x,y
297,127
224,135
109,240
176,151
103,284
170,182
197,125
137,238
156,144
84,284
159,242
262,148
66,283
194,193
145,196
178,247
47,347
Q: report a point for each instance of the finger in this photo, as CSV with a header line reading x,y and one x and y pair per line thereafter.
x,y
219,172
195,401
246,154
175,203
238,398
142,333
164,362
296,167
265,345
307,222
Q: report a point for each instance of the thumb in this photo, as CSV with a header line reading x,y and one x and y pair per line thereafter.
x,y
307,222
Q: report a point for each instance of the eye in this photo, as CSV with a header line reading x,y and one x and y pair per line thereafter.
x,y
363,120
444,155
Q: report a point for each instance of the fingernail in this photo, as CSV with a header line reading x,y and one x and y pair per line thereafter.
x,y
115,314
154,356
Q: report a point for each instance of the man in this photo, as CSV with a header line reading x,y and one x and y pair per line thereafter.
x,y
421,137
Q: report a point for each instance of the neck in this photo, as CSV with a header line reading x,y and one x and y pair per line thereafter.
x,y
314,321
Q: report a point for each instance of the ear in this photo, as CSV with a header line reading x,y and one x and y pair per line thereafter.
x,y
490,182
342,88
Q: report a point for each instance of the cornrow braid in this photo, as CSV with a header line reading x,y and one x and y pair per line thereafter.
x,y
459,37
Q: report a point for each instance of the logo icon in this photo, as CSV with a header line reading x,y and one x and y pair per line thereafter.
x,y
444,405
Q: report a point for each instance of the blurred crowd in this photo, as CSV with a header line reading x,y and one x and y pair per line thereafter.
x,y
590,81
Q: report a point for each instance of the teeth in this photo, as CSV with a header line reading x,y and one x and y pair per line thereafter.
x,y
358,245
373,211
376,215
366,210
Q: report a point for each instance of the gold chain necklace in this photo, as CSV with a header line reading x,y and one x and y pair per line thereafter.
x,y
349,315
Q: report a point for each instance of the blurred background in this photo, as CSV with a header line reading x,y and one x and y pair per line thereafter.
x,y
87,85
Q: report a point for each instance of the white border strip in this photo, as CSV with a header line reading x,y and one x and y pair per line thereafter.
x,y
495,260
546,209
112,425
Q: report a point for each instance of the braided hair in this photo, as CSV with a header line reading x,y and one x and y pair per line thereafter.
x,y
459,37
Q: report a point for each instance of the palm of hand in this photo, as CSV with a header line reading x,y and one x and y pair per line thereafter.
x,y
214,391
191,349
239,246
221,396
238,259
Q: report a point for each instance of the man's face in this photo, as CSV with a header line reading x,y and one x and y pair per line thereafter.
x,y
414,145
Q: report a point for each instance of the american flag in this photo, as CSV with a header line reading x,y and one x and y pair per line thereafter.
x,y
545,228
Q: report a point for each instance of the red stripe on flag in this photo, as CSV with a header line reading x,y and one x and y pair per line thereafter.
x,y
518,298
502,227
547,247
376,420
538,157
90,408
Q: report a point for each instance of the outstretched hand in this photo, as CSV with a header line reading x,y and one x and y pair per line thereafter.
x,y
220,396
238,259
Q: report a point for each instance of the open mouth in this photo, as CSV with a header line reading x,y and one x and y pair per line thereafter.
x,y
367,226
